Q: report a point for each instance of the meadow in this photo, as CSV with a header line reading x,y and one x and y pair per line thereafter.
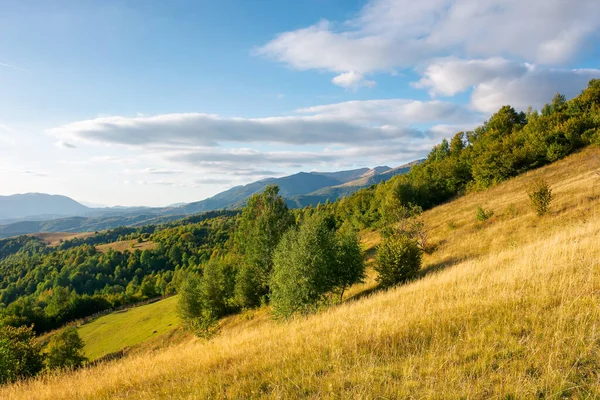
x,y
504,308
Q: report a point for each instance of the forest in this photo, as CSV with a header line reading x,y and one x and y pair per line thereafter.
x,y
297,260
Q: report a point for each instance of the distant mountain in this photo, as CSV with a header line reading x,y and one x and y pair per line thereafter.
x,y
301,189
38,204
34,212
290,186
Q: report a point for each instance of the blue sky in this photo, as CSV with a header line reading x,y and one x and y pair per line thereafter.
x,y
157,102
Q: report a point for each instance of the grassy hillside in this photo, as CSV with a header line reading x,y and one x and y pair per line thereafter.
x,y
121,330
130,245
505,308
55,238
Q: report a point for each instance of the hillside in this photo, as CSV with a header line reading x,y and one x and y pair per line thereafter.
x,y
505,308
300,190
39,204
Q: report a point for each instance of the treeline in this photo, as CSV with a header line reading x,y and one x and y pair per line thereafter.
x,y
506,145
298,260
47,287
226,261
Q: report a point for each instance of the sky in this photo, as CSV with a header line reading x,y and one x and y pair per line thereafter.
x,y
151,103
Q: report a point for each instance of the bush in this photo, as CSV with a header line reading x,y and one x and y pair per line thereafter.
x,y
19,354
398,260
483,215
65,350
540,195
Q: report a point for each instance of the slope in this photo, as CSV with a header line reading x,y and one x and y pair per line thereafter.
x,y
507,308
25,205
120,330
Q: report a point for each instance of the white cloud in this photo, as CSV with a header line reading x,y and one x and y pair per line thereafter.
x,y
64,145
452,75
534,88
390,34
342,123
352,80
497,82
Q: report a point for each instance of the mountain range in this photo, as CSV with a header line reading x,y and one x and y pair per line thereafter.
x,y
38,212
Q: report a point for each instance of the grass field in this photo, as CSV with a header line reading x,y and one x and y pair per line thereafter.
x,y
123,245
126,329
55,238
508,308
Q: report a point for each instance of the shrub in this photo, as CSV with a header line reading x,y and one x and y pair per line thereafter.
x,y
398,260
540,195
483,215
65,350
19,354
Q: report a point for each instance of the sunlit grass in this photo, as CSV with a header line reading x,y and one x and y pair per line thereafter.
x,y
120,330
506,308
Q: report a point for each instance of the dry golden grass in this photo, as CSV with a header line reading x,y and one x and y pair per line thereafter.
x,y
508,308
55,238
123,245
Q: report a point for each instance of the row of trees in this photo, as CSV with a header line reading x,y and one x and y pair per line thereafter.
x,y
297,260
293,262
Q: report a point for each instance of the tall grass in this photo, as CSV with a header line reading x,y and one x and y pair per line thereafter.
x,y
505,309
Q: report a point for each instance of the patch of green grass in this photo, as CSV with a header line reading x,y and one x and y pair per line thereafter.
x,y
119,330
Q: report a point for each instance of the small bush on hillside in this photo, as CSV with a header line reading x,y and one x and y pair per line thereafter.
x,y
398,260
483,215
540,195
65,350
20,356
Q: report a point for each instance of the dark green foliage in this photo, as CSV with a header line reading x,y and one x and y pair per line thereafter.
x,y
540,195
47,287
302,267
263,222
204,299
483,215
398,260
350,265
65,350
19,354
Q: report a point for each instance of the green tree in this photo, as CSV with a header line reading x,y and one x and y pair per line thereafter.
x,y
350,265
203,300
304,263
398,260
263,222
65,350
20,356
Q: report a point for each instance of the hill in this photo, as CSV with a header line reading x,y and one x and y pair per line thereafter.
x,y
39,204
505,308
299,190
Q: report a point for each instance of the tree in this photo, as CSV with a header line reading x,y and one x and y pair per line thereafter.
x,y
263,222
304,262
65,350
540,196
350,265
203,300
313,261
398,260
20,356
